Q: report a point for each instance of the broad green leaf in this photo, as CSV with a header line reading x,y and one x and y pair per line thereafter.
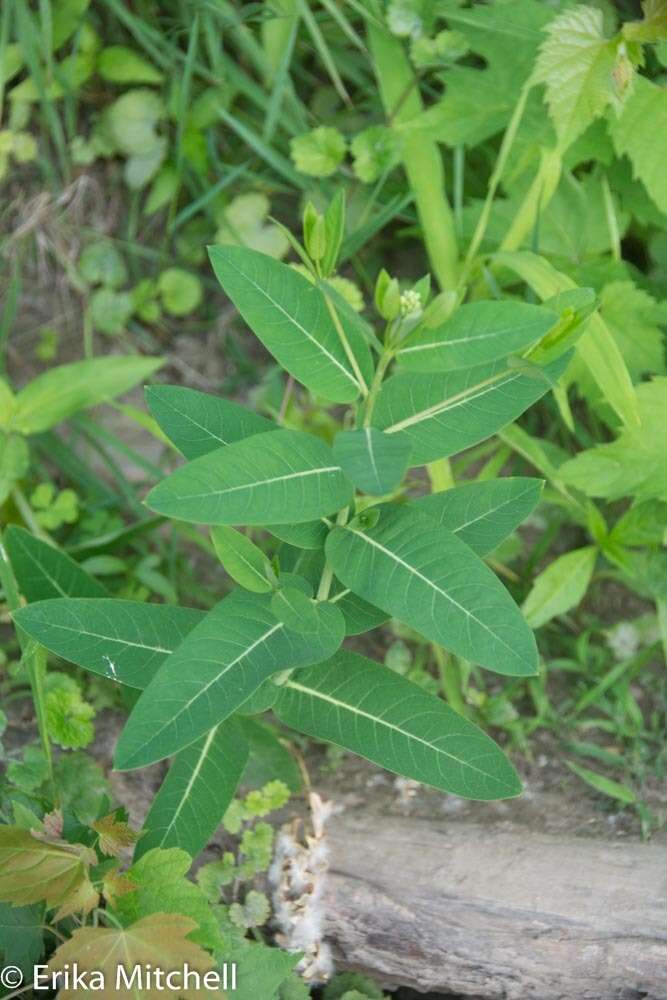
x,y
125,641
603,784
118,64
476,334
360,616
634,464
237,645
443,414
244,561
596,348
373,461
634,318
482,514
269,759
308,535
291,318
180,291
561,586
576,63
62,391
639,132
279,477
21,936
296,610
43,571
653,26
198,422
196,792
318,153
428,578
360,705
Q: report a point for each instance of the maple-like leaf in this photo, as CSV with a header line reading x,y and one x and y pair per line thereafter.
x,y
576,63
159,941
115,835
636,132
33,869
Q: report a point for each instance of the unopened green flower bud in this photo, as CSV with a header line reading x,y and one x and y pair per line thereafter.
x,y
387,296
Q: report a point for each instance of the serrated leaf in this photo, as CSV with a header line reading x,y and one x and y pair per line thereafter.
x,y
482,514
114,835
639,133
33,870
428,578
196,792
62,391
445,413
653,27
160,941
243,560
125,641
373,461
198,422
214,671
561,586
367,708
43,570
576,64
281,477
290,317
476,334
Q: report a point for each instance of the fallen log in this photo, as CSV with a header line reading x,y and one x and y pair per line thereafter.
x,y
498,914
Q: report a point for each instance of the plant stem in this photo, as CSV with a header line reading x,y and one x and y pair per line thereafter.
x,y
450,679
422,159
385,360
333,312
327,573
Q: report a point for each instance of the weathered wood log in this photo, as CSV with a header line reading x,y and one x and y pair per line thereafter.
x,y
494,913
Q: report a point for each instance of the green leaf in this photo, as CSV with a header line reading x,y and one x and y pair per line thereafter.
x,y
634,464
261,970
132,121
196,792
653,27
44,571
428,578
198,422
443,414
296,610
280,477
360,705
162,886
482,514
181,291
243,560
14,462
561,586
639,133
269,758
475,335
62,391
290,316
118,64
101,264
633,317
576,63
318,153
21,936
244,223
605,785
373,461
596,348
224,659
308,535
125,641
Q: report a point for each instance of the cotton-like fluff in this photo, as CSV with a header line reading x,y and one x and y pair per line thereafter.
x,y
298,875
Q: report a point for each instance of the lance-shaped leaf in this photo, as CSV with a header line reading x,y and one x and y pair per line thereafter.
x,y
482,514
243,560
476,334
281,477
443,414
125,641
290,316
198,788
561,586
367,708
43,570
62,391
214,671
198,422
373,461
428,578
